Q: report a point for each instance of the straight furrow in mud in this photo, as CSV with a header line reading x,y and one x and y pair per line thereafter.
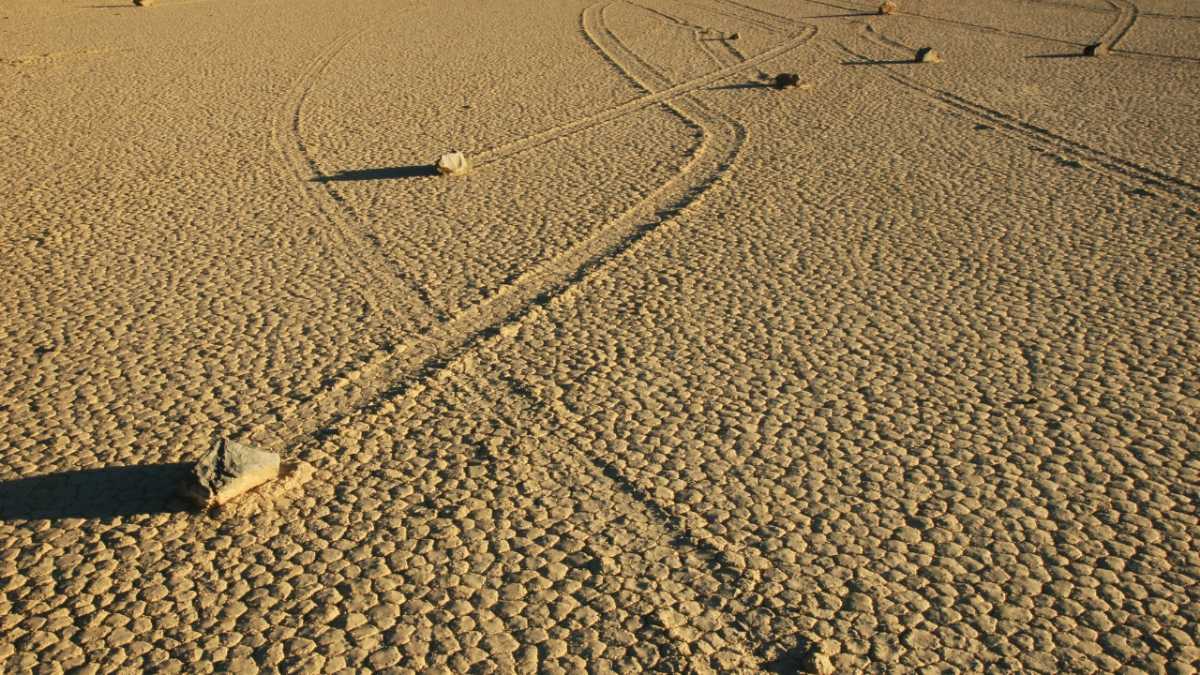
x,y
1116,168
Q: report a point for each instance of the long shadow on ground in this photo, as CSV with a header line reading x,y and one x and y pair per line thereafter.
x,y
95,493
839,16
382,173
1057,56
742,85
798,659
895,62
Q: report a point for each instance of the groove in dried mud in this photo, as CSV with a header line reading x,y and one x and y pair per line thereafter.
x,y
395,370
1115,168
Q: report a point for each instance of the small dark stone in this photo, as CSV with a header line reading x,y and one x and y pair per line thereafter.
x,y
1097,49
785,80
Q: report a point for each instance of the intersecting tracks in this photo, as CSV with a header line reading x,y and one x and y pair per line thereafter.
x,y
399,372
719,46
396,369
363,256
647,99
395,372
1180,191
715,578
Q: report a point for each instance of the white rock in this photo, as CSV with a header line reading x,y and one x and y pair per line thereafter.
x,y
228,470
453,164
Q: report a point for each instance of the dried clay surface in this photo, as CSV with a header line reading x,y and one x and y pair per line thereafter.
x,y
893,374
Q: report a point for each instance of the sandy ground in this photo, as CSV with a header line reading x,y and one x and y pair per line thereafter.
x,y
689,374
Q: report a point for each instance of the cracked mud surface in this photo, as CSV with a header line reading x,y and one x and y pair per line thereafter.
x,y
687,375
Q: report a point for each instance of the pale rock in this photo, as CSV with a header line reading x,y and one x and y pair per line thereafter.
x,y
453,164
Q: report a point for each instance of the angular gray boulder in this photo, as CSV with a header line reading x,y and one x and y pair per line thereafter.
x,y
228,470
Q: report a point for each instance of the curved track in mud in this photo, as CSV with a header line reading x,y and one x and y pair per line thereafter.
x,y
391,288
394,369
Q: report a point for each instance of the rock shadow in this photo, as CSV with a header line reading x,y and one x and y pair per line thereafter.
x,y
742,85
797,659
1058,56
840,16
108,492
381,173
893,62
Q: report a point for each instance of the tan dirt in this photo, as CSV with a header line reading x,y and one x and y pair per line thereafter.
x,y
897,372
